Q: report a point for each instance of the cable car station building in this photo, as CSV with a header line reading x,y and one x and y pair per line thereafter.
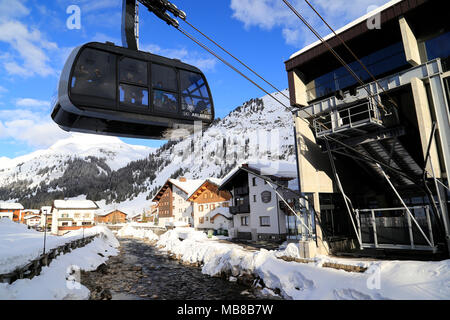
x,y
370,195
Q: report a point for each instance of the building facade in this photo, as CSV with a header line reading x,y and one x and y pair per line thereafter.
x,y
46,216
32,220
9,209
210,207
111,217
173,207
256,203
69,215
374,152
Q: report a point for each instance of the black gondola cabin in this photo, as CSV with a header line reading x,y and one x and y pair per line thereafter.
x,y
111,90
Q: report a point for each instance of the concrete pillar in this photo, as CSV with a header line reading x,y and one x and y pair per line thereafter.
x,y
297,88
409,43
424,123
314,171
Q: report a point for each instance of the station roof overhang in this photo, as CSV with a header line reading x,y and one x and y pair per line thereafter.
x,y
316,59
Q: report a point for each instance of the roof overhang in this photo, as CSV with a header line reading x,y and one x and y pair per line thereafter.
x,y
389,13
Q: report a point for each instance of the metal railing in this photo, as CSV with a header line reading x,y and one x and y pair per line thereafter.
x,y
393,228
347,118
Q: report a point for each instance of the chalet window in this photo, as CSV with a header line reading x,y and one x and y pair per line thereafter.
x,y
65,224
264,221
206,218
244,221
211,220
213,206
200,220
205,196
200,208
206,206
86,223
240,201
254,198
225,204
76,215
254,181
87,215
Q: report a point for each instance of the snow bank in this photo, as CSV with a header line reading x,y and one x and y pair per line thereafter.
x,y
131,231
19,245
382,280
60,280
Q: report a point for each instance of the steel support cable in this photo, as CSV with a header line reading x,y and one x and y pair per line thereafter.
x,y
348,202
337,56
379,163
351,52
231,66
240,61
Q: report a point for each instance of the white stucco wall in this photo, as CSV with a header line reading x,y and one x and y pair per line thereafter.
x,y
85,215
182,209
260,209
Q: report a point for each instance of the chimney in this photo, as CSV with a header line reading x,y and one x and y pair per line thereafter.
x,y
182,179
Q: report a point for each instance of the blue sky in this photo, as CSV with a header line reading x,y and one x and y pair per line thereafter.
x,y
35,41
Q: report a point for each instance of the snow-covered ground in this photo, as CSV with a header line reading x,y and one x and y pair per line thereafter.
x,y
382,280
18,245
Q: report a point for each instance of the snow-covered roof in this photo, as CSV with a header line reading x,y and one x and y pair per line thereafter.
x,y
188,186
347,26
279,169
215,181
31,210
106,212
75,204
224,211
10,206
32,216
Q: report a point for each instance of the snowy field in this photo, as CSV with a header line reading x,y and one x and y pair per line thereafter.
x,y
18,245
411,280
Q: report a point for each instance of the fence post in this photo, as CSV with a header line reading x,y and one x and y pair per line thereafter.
x,y
374,227
411,236
430,229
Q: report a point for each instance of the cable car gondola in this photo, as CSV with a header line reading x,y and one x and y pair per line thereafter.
x,y
111,90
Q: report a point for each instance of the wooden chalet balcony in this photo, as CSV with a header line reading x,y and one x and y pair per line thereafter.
x,y
243,208
241,191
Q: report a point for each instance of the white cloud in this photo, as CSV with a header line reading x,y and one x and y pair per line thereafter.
x,y
31,128
28,54
12,9
202,61
28,102
269,14
3,90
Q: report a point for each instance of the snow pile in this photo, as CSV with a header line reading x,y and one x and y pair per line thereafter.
x,y
60,280
131,231
382,280
19,245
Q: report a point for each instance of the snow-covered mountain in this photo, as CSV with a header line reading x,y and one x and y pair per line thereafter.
x,y
105,168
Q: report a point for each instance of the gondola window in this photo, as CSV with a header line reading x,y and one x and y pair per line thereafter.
x,y
95,75
195,100
165,86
